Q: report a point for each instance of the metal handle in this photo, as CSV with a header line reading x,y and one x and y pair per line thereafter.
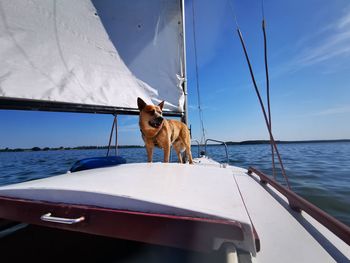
x,y
61,220
205,149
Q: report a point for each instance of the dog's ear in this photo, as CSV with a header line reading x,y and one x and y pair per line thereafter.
x,y
141,104
161,105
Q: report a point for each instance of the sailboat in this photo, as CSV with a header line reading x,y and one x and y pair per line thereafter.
x,y
97,57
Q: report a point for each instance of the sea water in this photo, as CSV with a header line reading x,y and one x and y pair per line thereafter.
x,y
319,172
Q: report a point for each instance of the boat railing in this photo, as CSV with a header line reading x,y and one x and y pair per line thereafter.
x,y
297,203
198,146
222,142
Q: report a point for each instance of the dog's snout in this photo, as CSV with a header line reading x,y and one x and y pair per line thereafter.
x,y
156,122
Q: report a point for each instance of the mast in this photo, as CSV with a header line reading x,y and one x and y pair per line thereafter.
x,y
184,118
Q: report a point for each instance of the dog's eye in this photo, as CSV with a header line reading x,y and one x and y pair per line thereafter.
x,y
152,112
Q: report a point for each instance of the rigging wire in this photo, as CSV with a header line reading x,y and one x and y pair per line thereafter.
x,y
263,9
200,110
233,13
268,87
114,125
263,108
267,120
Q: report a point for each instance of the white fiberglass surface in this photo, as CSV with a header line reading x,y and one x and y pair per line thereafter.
x,y
170,188
285,235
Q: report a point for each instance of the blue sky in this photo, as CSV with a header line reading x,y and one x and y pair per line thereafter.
x,y
309,60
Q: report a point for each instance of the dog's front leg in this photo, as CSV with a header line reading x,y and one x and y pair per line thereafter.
x,y
149,149
166,153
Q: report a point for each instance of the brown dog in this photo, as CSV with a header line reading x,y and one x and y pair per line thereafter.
x,y
157,131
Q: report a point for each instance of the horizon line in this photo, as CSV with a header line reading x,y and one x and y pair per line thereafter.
x,y
92,147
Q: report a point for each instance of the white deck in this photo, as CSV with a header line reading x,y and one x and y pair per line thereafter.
x,y
282,237
202,190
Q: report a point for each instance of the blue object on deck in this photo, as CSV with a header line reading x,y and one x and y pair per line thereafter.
x,y
96,162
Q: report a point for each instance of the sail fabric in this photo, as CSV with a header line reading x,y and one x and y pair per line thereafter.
x,y
103,52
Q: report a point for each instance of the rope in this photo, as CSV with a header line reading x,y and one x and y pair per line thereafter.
x,y
200,111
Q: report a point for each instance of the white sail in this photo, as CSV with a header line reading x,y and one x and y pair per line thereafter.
x,y
101,53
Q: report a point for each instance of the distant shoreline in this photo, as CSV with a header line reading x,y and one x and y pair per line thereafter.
x,y
284,142
249,142
37,149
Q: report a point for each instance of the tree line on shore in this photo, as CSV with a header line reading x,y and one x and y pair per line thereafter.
x,y
36,149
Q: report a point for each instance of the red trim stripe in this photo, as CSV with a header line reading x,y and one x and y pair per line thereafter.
x,y
160,229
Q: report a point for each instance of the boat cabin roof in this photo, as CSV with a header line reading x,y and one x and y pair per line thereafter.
x,y
190,191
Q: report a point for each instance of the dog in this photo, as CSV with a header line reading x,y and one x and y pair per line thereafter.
x,y
160,132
